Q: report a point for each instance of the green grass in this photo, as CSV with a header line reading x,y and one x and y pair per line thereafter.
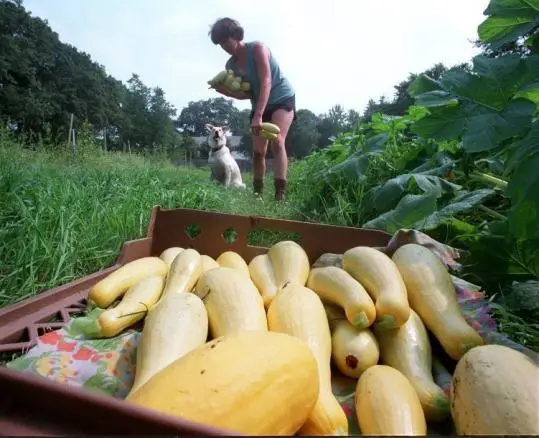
x,y
62,219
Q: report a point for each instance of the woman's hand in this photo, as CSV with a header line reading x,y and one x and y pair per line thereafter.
x,y
255,124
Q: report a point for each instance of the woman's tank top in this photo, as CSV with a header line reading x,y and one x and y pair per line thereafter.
x,y
281,89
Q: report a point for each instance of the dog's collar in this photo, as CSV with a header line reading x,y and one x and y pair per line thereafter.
x,y
217,148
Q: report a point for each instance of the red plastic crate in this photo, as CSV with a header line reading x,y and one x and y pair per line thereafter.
x,y
32,405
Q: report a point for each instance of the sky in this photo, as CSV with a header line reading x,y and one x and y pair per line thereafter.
x,y
342,52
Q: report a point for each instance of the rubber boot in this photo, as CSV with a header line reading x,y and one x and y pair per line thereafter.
x,y
258,187
280,188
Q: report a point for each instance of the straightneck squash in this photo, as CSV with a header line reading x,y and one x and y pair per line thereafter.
x,y
432,295
169,254
133,307
298,311
184,272
495,391
253,383
407,349
231,259
175,326
114,285
353,350
263,277
377,273
387,404
337,286
286,261
232,301
208,263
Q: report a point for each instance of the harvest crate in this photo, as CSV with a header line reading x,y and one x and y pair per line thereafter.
x,y
31,405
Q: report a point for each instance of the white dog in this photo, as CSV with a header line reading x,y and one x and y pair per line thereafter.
x,y
224,169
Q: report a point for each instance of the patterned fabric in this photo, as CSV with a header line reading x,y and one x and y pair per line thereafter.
x,y
70,355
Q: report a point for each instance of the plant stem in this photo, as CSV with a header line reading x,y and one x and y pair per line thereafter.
x,y
483,177
493,213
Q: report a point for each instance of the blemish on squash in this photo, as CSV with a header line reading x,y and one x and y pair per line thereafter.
x,y
202,372
351,361
206,294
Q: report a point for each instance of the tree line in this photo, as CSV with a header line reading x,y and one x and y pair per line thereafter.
x,y
43,81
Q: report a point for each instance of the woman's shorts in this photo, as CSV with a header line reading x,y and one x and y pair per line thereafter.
x,y
287,104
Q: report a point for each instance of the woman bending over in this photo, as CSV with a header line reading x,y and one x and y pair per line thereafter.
x,y
272,98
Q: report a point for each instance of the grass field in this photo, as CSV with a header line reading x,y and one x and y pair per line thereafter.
x,y
62,218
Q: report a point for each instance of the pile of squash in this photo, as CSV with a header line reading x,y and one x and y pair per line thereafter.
x,y
248,347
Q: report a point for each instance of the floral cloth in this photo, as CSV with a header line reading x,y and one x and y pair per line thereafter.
x,y
71,356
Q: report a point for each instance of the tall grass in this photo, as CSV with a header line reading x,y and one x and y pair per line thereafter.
x,y
61,218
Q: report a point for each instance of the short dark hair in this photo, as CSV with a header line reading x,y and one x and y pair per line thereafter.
x,y
225,28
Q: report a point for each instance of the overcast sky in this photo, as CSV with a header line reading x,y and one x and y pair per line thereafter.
x,y
341,52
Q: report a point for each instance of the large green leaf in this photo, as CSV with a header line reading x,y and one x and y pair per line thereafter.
x,y
502,30
512,8
436,98
408,211
486,129
523,189
478,118
523,149
355,167
508,20
423,84
494,81
442,123
460,204
386,196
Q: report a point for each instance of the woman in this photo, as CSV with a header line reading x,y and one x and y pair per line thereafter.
x,y
272,98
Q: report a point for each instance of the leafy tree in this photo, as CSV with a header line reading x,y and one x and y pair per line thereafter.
x,y
217,111
303,136
331,124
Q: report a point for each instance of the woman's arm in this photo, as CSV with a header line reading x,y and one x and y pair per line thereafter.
x,y
261,55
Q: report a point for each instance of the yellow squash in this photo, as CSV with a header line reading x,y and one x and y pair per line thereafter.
x,y
380,277
110,288
337,286
231,259
184,272
169,254
218,78
432,295
270,127
208,263
253,383
175,326
232,301
132,308
353,350
299,312
290,263
407,349
387,404
495,391
261,273
269,135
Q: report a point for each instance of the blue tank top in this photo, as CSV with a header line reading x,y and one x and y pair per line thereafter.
x,y
281,89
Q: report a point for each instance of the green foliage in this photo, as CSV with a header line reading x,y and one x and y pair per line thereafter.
x,y
43,81
461,165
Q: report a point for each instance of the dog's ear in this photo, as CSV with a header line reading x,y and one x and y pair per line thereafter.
x,y
209,127
226,129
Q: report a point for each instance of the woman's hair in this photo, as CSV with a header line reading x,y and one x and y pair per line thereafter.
x,y
225,28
